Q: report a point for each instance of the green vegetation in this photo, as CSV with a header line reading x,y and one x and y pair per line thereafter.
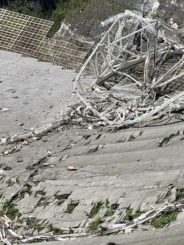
x,y
34,223
62,198
83,15
63,10
131,137
10,209
40,192
35,240
55,10
131,216
39,8
71,206
164,220
27,190
180,194
93,227
111,209
96,208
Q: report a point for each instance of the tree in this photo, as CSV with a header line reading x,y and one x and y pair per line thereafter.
x,y
3,3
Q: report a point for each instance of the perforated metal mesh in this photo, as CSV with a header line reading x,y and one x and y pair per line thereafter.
x,y
22,33
28,35
61,52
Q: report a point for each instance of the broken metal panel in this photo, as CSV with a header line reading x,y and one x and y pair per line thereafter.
x,y
28,35
135,53
22,33
61,52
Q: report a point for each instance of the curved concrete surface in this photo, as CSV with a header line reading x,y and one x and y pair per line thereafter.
x,y
34,92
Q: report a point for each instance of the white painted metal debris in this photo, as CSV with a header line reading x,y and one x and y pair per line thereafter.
x,y
133,75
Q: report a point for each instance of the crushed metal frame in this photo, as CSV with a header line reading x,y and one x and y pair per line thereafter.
x,y
129,76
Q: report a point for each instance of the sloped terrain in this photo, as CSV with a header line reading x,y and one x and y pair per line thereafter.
x,y
87,19
134,169
27,83
83,181
65,181
80,184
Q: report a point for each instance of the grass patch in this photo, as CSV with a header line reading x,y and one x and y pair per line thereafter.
x,y
64,9
34,223
53,10
35,240
111,209
40,192
96,208
131,138
27,190
131,216
180,194
61,198
71,206
93,227
166,219
10,209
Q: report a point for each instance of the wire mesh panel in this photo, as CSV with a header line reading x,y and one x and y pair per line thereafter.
x,y
28,35
22,33
61,52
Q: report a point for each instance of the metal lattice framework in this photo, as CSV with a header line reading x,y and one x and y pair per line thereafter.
x,y
28,35
135,73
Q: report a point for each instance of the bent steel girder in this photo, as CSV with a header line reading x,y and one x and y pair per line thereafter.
x,y
131,59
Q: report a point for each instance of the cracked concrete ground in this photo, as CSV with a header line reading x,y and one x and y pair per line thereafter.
x,y
63,175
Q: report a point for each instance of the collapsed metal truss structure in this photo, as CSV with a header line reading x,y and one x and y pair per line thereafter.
x,y
28,35
134,74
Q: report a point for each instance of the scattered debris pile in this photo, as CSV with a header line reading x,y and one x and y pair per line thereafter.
x,y
133,75
10,229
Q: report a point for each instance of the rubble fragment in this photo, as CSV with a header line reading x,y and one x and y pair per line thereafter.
x,y
71,168
4,109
